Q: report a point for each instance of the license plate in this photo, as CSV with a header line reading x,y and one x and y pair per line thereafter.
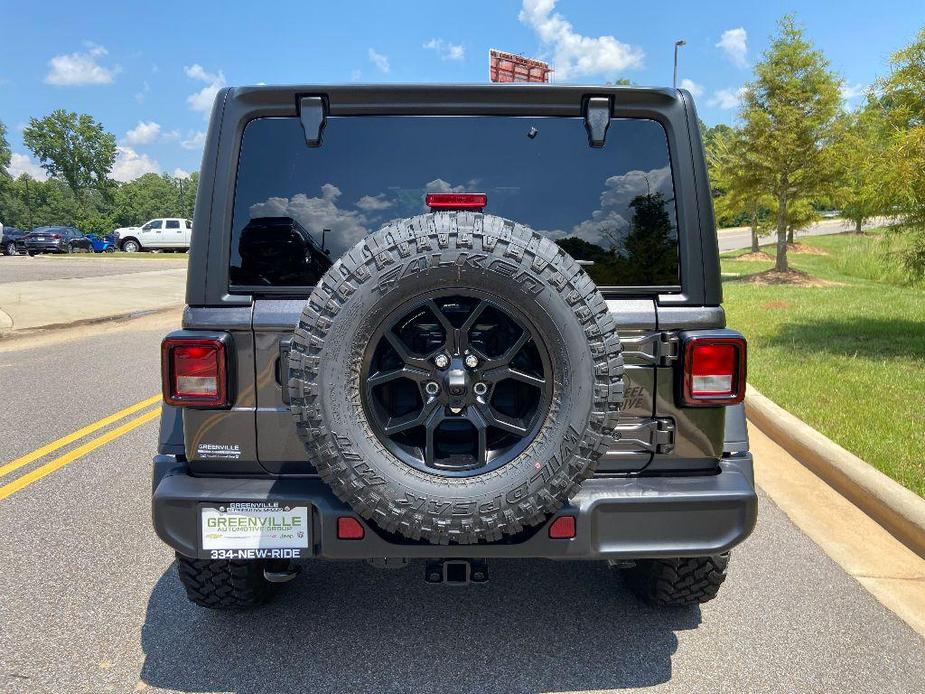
x,y
265,530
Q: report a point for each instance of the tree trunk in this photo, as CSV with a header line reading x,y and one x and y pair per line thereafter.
x,y
781,265
755,248
858,224
790,235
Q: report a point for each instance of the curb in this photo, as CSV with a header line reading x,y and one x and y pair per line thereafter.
x,y
11,335
900,511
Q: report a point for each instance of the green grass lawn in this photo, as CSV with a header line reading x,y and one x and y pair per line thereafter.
x,y
848,359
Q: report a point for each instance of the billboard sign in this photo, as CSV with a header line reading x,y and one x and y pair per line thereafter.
x,y
510,67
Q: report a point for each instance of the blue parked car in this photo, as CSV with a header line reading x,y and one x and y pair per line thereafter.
x,y
102,244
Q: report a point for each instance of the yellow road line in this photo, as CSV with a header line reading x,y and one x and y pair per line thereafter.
x,y
78,452
79,434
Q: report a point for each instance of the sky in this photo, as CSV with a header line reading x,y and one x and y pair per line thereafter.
x,y
149,71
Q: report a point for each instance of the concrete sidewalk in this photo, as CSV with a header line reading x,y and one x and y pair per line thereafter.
x,y
44,303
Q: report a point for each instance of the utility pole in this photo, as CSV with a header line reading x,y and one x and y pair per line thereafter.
x,y
677,45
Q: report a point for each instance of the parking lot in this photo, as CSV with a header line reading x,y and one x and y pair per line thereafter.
x,y
22,268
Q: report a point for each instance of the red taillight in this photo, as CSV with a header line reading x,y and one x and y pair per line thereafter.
x,y
457,201
714,370
193,372
562,528
56,237
349,528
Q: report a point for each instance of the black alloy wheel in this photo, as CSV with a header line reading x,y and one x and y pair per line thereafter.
x,y
456,383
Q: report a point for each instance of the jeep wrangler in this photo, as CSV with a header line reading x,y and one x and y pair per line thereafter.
x,y
453,324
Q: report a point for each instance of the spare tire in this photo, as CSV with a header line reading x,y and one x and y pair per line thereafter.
x,y
455,377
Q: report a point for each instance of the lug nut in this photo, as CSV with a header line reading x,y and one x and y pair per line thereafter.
x,y
442,361
480,388
472,361
432,388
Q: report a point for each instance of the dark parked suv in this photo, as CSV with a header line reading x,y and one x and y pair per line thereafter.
x,y
453,324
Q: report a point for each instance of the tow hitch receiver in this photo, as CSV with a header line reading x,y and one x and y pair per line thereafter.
x,y
456,572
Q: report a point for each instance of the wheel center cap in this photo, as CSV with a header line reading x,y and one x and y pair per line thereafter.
x,y
456,383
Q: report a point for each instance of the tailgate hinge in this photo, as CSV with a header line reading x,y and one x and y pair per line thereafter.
x,y
664,348
313,115
597,119
649,435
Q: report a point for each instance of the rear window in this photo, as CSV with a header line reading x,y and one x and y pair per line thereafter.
x,y
297,209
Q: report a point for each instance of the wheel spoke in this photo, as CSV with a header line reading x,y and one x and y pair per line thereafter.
x,y
396,425
481,426
452,338
380,377
469,324
503,422
432,421
509,353
403,352
502,373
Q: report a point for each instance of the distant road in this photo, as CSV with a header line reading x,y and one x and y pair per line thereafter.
x,y
740,237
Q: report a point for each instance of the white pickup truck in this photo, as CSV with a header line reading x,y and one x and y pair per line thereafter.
x,y
165,233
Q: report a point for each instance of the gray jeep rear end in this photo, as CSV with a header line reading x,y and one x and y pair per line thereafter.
x,y
676,480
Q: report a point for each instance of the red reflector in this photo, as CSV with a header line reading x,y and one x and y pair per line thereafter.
x,y
457,201
714,370
562,528
194,372
349,528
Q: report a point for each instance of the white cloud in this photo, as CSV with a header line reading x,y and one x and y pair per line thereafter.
x,y
130,165
692,87
77,69
24,164
734,43
144,133
181,173
346,227
380,61
372,203
193,140
575,55
202,100
852,91
727,98
438,185
609,225
356,75
446,50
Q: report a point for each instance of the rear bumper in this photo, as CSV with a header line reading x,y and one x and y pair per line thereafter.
x,y
616,518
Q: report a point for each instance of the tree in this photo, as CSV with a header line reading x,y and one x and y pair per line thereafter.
x,y
858,152
5,154
736,187
153,195
903,170
74,148
788,115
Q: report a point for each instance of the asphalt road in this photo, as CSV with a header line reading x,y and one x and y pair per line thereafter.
x,y
741,237
22,268
89,599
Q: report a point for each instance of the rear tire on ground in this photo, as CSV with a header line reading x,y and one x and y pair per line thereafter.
x,y
131,246
224,585
10,248
677,582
